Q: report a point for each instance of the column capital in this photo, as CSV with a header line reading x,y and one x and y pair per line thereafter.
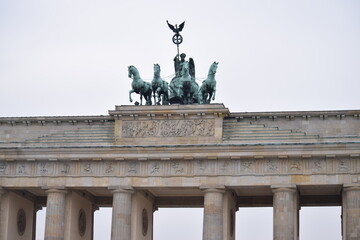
x,y
351,187
218,189
59,189
284,188
121,189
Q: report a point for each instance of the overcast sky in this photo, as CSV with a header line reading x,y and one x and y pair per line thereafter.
x,y
64,57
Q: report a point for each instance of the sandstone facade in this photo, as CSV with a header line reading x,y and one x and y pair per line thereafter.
x,y
139,158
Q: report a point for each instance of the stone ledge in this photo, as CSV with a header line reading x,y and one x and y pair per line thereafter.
x,y
307,115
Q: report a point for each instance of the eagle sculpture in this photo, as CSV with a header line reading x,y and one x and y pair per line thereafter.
x,y
176,29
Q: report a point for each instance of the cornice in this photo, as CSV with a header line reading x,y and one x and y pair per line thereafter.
x,y
54,120
181,152
339,114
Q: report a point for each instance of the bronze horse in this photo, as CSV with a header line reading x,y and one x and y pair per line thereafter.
x,y
139,86
160,88
208,87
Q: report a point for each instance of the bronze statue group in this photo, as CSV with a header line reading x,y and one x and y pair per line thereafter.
x,y
183,89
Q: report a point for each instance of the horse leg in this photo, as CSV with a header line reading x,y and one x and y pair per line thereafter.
x,y
165,100
141,97
154,94
130,92
158,96
209,99
147,96
206,98
149,102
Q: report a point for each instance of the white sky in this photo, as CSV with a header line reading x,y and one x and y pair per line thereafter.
x,y
65,57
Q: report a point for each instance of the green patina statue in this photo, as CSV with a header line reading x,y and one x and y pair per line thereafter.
x,y
208,87
183,88
160,88
139,86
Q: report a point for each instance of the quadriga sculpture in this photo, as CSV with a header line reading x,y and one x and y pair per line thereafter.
x,y
208,87
182,89
160,88
139,86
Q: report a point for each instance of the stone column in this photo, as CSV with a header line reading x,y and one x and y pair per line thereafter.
x,y
213,213
121,214
55,214
351,212
286,213
2,221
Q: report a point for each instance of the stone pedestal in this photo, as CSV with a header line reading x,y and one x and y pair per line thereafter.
x,y
121,214
286,213
351,212
169,124
213,224
55,214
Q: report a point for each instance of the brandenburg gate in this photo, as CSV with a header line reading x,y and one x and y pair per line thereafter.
x,y
140,158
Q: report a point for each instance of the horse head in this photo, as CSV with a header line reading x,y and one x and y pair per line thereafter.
x,y
157,70
133,72
130,71
213,68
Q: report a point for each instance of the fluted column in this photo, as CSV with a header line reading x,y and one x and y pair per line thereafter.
x,y
55,214
285,206
351,212
213,213
121,214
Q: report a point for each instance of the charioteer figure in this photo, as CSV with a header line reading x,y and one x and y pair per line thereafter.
x,y
183,87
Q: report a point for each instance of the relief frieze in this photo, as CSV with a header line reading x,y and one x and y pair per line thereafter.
x,y
247,166
272,166
87,167
295,166
3,168
161,168
177,168
154,168
65,168
343,166
45,168
22,169
318,165
169,128
109,168
132,168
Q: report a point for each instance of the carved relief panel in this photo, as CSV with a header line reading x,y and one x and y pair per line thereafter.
x,y
168,128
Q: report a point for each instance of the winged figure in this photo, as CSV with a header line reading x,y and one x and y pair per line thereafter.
x,y
175,28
